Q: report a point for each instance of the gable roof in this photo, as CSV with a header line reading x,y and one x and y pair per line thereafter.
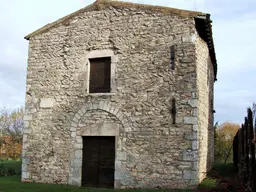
x,y
202,20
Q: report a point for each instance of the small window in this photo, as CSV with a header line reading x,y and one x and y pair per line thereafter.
x,y
100,77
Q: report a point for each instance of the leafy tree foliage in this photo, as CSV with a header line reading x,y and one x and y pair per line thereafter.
x,y
224,135
11,128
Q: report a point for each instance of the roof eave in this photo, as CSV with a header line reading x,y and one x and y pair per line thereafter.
x,y
204,29
100,4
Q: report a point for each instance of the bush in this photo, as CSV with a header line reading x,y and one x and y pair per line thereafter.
x,y
6,171
224,135
2,168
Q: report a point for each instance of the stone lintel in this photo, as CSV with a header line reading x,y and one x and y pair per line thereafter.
x,y
103,129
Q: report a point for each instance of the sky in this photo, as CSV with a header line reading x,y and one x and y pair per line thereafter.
x,y
234,29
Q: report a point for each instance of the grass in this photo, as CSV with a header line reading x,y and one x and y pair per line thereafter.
x,y
208,183
13,184
222,177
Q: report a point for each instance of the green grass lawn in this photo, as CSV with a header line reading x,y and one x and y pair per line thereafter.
x,y
13,184
208,183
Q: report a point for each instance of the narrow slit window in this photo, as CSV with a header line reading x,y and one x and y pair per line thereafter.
x,y
172,57
100,75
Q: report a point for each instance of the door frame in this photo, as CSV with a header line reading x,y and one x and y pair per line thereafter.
x,y
104,129
75,150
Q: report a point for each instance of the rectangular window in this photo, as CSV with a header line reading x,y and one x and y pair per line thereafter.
x,y
100,75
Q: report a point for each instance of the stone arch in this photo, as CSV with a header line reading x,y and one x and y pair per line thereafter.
x,y
105,106
75,165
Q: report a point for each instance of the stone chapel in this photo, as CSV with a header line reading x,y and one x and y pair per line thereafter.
x,y
120,95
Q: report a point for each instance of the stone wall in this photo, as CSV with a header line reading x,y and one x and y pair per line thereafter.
x,y
205,81
153,151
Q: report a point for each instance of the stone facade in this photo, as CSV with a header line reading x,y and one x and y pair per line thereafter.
x,y
151,151
205,81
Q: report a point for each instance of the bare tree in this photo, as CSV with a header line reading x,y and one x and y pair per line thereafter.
x,y
254,114
11,124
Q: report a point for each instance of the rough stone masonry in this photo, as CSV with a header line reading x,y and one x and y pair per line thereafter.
x,y
157,54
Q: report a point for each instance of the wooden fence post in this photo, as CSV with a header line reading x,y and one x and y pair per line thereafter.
x,y
244,152
251,151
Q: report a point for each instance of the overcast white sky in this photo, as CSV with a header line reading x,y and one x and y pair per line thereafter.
x,y
234,29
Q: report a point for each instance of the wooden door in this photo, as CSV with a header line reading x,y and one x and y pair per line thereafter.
x,y
98,162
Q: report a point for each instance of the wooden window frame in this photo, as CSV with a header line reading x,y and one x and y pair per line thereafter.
x,y
101,54
102,67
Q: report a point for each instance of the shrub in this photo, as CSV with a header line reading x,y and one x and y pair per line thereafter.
x,y
2,168
224,135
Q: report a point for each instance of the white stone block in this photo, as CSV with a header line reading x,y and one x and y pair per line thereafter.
x,y
78,154
114,59
75,120
100,53
26,130
73,124
24,167
194,95
24,138
27,117
79,139
121,156
89,106
73,129
115,111
73,134
26,124
188,38
189,175
101,104
190,155
119,116
95,106
77,116
25,175
80,112
195,127
194,112
190,137
194,145
127,129
190,120
77,162
78,146
195,165
106,107
192,102
83,109
46,102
